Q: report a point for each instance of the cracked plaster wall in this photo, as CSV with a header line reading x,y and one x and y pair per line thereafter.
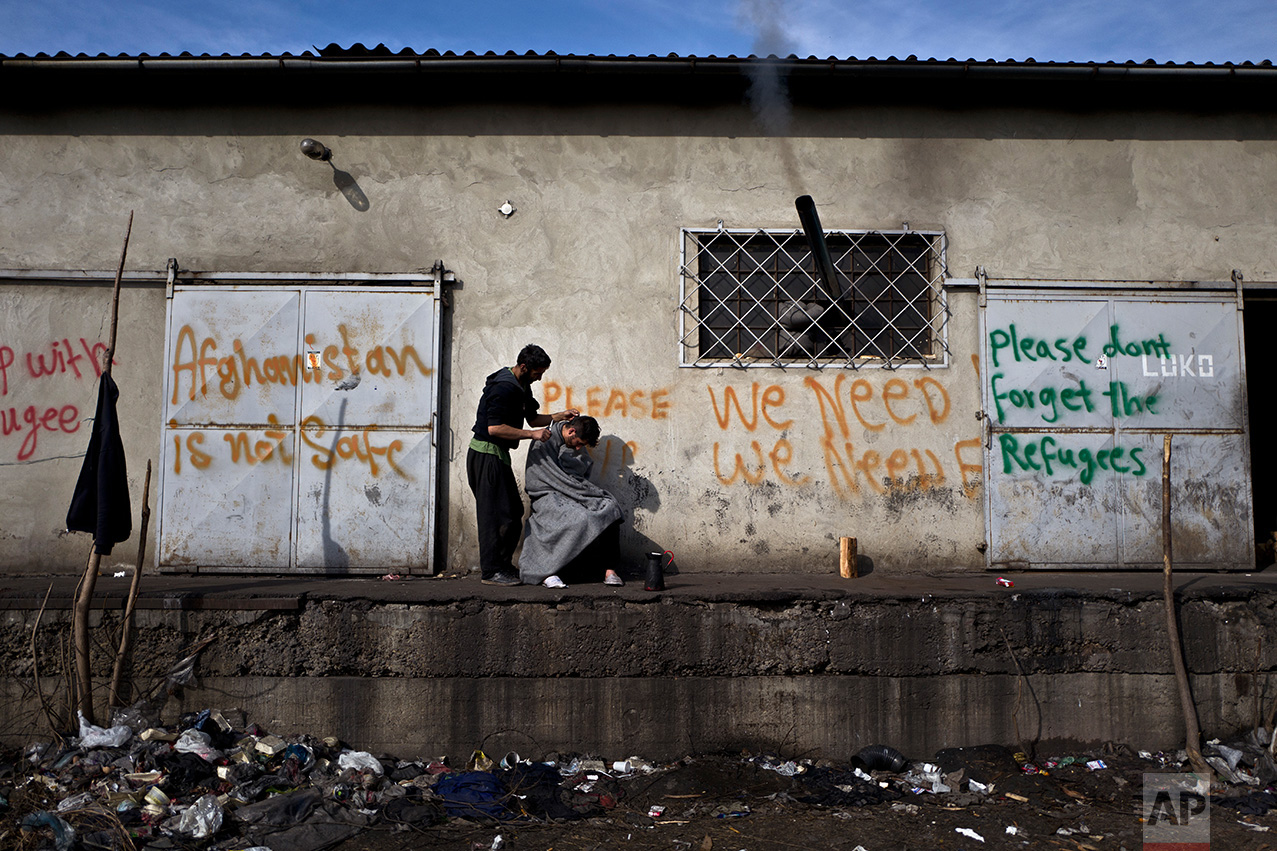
x,y
588,266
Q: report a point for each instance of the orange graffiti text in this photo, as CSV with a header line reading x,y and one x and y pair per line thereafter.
x,y
897,401
603,402
971,473
196,361
356,445
754,470
614,451
772,397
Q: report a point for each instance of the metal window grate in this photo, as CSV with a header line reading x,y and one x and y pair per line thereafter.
x,y
754,298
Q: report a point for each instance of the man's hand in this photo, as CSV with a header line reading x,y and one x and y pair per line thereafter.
x,y
564,416
541,434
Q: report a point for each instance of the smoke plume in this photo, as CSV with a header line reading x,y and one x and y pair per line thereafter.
x,y
768,95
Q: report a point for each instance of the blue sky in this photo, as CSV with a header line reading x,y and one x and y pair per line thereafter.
x,y
1079,30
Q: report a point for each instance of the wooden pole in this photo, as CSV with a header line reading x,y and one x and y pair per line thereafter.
x,y
126,624
35,667
115,298
80,634
1192,733
847,558
84,595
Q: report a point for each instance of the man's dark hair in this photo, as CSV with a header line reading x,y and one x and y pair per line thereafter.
x,y
587,429
533,357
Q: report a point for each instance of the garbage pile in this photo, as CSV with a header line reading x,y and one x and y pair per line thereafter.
x,y
211,783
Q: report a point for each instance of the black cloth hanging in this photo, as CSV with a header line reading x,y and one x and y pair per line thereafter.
x,y
100,504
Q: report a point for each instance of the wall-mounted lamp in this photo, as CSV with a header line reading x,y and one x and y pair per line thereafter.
x,y
319,152
316,150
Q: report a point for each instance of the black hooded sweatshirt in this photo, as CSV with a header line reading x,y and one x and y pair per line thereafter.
x,y
505,401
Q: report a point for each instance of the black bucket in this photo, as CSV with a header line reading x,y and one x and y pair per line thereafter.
x,y
883,758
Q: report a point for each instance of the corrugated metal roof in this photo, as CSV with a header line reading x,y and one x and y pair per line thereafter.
x,y
359,52
335,73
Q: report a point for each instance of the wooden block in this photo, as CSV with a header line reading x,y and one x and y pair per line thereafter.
x,y
847,558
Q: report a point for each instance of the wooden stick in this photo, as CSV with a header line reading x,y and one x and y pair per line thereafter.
x,y
847,558
35,667
115,297
84,595
1019,689
1192,733
126,636
80,635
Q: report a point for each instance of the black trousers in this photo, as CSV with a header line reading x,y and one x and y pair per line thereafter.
x,y
500,511
603,554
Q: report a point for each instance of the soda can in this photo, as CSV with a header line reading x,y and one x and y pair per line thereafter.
x,y
1005,583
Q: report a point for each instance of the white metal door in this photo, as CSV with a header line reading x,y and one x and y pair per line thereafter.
x,y
1079,388
299,428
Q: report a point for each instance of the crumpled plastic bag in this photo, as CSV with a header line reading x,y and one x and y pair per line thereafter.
x,y
137,718
201,819
200,744
926,777
76,802
63,833
92,736
360,761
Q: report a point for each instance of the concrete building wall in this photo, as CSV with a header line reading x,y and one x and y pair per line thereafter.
x,y
588,267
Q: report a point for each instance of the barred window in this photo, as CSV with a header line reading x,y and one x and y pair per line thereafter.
x,y
754,298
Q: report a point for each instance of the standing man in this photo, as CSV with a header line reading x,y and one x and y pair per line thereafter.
x,y
507,401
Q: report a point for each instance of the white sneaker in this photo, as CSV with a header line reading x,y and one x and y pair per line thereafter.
x,y
554,582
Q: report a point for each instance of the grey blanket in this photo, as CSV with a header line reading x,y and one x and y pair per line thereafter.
x,y
568,511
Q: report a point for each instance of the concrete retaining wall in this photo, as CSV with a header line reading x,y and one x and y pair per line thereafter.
x,y
820,672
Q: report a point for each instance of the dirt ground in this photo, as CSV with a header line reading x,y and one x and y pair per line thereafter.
x,y
1067,807
738,802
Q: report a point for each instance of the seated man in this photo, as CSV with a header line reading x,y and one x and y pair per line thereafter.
x,y
574,521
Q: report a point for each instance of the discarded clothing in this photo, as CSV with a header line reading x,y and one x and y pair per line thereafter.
x,y
540,789
831,787
100,503
568,511
281,810
182,771
326,826
473,794
412,810
1254,804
